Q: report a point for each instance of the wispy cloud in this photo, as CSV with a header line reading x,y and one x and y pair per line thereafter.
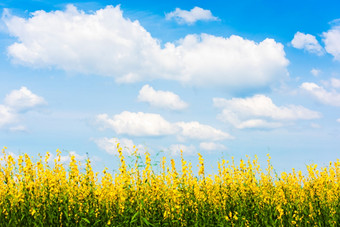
x,y
315,72
211,146
175,149
110,145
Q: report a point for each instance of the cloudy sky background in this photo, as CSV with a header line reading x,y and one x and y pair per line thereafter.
x,y
223,78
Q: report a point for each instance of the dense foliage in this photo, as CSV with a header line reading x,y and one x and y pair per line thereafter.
x,y
39,194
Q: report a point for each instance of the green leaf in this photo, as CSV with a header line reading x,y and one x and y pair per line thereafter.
x,y
133,217
66,215
97,222
147,222
86,220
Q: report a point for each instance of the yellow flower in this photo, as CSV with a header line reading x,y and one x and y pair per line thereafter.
x,y
33,212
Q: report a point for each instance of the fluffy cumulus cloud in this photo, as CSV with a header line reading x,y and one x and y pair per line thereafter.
x,y
175,149
110,145
101,43
329,97
23,99
137,124
259,111
232,62
149,124
106,43
198,131
14,104
331,38
307,42
338,120
211,146
7,116
162,99
190,17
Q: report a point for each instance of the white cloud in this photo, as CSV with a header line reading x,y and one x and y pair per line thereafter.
x,y
315,72
8,153
162,99
190,17
66,159
110,145
331,38
15,102
175,149
103,42
258,123
321,94
227,62
149,124
335,83
78,157
263,106
23,99
210,146
18,128
315,125
210,60
7,116
259,111
307,42
107,144
338,120
137,124
195,130
106,43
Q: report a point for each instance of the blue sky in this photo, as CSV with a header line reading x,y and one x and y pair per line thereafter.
x,y
222,78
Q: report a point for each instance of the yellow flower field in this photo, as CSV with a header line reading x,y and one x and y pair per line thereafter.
x,y
37,194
